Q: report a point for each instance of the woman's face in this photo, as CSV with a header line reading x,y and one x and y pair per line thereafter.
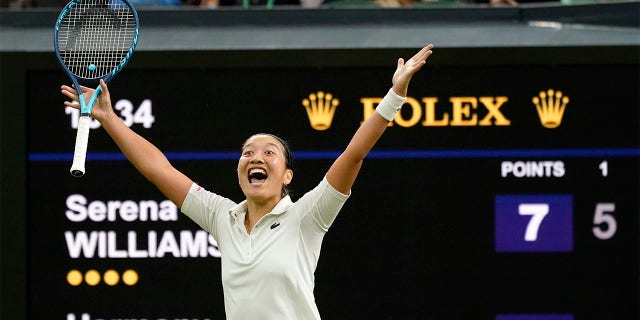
x,y
262,168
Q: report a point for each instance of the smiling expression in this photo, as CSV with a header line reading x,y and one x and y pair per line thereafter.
x,y
262,168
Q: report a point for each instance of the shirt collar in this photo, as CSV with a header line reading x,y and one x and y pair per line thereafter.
x,y
280,208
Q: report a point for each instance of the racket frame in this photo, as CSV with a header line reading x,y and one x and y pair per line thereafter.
x,y
82,136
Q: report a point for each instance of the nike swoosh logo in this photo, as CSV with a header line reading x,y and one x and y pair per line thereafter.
x,y
275,225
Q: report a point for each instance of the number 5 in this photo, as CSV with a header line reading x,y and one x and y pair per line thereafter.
x,y
537,211
601,217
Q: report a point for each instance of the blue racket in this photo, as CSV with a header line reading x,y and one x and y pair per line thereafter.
x,y
93,40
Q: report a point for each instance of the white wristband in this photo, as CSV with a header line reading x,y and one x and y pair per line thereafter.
x,y
390,105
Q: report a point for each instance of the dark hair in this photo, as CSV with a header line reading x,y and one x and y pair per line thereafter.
x,y
288,156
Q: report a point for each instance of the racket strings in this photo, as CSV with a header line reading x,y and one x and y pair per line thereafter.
x,y
96,36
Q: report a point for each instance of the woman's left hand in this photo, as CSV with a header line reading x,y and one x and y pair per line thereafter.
x,y
406,70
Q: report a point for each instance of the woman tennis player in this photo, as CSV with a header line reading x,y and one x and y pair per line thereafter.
x,y
269,244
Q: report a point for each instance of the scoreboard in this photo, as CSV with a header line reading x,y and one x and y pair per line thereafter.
x,y
498,192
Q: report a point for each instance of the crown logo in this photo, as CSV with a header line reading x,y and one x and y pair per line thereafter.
x,y
550,105
320,109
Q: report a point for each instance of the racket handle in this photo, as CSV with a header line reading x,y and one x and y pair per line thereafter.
x,y
80,152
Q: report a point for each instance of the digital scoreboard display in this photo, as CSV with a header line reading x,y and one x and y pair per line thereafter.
x,y
498,192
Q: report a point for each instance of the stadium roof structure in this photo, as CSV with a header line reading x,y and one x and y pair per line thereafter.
x,y
454,26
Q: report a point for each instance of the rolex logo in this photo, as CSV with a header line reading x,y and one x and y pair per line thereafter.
x,y
320,109
550,105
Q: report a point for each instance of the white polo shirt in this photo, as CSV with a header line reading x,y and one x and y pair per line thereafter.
x,y
268,274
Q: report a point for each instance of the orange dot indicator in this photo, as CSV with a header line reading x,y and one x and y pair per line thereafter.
x,y
74,277
111,277
130,277
92,277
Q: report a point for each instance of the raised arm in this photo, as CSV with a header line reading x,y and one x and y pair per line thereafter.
x,y
141,153
344,170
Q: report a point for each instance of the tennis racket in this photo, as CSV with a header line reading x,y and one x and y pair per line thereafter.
x,y
93,40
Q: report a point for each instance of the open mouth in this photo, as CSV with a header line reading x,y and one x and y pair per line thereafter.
x,y
257,176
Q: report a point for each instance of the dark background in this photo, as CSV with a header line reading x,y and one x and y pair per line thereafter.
x,y
415,240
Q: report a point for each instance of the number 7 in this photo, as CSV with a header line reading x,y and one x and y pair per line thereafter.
x,y
537,211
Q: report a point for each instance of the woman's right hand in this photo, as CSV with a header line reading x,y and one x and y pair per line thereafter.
x,y
101,109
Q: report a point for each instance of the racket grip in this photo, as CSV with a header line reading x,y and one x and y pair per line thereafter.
x,y
80,152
